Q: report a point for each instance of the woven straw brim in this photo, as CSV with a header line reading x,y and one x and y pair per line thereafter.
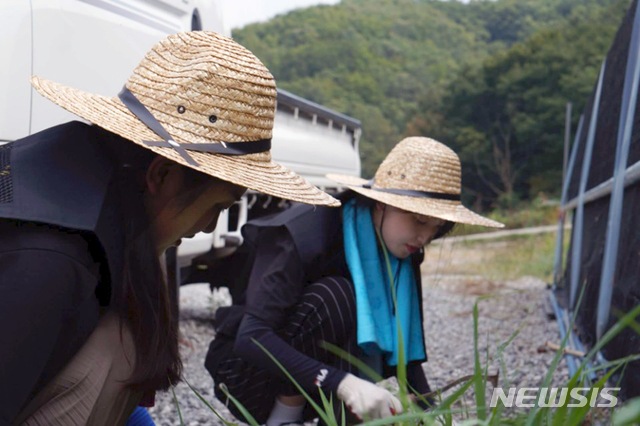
x,y
449,210
255,171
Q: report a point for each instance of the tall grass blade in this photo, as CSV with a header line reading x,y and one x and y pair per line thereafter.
x,y
398,419
315,406
328,407
401,375
245,413
446,404
194,390
612,364
635,326
624,322
620,377
497,411
175,401
629,415
554,366
560,416
478,375
359,364
579,413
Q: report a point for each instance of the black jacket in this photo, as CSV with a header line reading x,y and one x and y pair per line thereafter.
x,y
61,247
316,233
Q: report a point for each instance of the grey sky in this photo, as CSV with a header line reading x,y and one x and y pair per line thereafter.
x,y
238,13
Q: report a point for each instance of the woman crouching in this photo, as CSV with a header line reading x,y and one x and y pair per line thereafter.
x,y
347,277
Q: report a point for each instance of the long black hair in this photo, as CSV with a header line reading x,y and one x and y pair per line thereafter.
x,y
143,301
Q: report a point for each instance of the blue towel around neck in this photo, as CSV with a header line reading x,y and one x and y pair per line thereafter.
x,y
376,316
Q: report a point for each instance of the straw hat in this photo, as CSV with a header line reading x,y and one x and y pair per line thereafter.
x,y
419,175
211,104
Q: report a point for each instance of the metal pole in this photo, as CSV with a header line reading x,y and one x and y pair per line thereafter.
x,y
631,176
571,360
572,162
558,263
586,166
567,140
625,129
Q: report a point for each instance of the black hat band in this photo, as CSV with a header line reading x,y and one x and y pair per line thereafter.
x,y
226,148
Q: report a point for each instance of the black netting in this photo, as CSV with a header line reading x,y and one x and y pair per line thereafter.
x,y
595,226
604,149
626,290
6,186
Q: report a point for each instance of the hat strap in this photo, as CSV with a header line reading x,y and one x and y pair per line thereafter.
x,y
414,193
229,148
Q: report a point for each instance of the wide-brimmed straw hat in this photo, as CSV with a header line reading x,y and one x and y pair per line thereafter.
x,y
422,176
201,100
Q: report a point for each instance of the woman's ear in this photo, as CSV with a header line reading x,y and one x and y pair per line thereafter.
x,y
164,178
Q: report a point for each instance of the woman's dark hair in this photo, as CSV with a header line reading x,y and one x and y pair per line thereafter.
x,y
444,229
144,300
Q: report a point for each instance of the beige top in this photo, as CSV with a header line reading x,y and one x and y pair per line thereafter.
x,y
91,389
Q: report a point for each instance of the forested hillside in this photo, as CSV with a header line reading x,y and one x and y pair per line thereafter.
x,y
489,78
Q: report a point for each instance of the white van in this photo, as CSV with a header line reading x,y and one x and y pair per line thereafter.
x,y
94,45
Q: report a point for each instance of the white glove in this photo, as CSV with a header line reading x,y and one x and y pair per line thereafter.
x,y
366,400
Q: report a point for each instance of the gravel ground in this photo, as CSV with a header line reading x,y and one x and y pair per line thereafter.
x,y
449,300
196,314
514,306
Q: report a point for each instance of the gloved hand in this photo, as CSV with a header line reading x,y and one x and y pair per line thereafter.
x,y
367,400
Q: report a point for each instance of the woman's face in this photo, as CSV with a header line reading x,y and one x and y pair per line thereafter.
x,y
175,218
199,216
404,232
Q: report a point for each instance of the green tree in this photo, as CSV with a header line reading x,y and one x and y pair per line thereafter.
x,y
505,115
491,78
